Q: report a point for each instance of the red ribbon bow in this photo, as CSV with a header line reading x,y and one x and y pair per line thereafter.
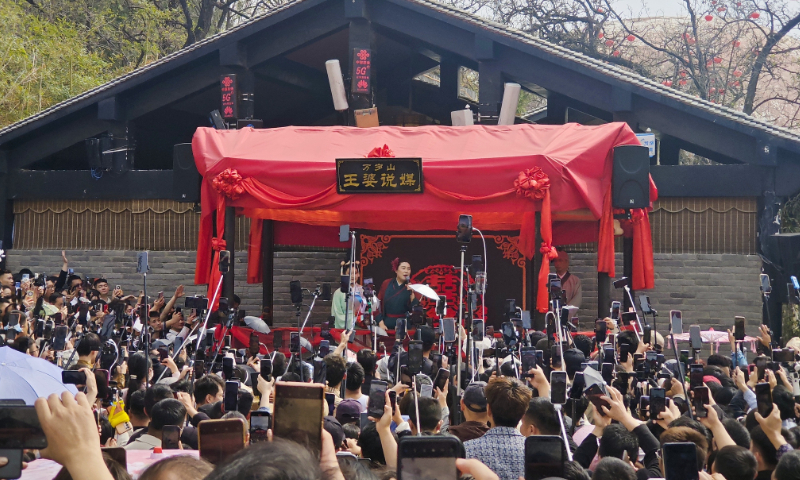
x,y
548,251
229,183
532,183
218,244
381,152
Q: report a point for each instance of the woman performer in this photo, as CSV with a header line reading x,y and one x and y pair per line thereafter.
x,y
395,296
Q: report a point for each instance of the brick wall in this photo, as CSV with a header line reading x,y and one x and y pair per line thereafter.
x,y
710,289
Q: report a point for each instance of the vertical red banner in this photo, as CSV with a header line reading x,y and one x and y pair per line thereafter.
x,y
362,69
230,105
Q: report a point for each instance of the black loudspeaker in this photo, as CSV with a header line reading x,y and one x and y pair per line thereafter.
x,y
631,178
185,177
788,248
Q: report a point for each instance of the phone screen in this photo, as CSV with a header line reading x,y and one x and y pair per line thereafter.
x,y
765,286
593,394
170,437
231,396
680,461
294,342
600,330
449,326
219,439
477,330
528,359
608,372
544,457
558,387
298,413
73,377
442,376
738,328
624,351
266,368
330,399
393,396
763,399
695,376
259,424
414,357
647,335
377,398
20,428
700,401
60,339
657,402
615,310
427,458
694,337
363,420
676,319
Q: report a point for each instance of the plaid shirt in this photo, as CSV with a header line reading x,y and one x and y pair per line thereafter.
x,y
502,449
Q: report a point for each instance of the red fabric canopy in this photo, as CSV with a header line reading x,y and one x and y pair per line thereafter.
x,y
289,174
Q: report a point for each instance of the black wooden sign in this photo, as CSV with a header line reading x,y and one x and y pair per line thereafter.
x,y
379,175
230,105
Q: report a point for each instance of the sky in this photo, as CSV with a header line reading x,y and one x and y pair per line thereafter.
x,y
667,8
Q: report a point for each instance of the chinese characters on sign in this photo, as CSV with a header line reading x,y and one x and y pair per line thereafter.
x,y
227,87
362,67
379,175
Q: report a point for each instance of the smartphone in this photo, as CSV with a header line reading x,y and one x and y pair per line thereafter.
x,y
170,437
609,356
255,345
377,398
227,368
73,377
647,335
266,368
600,331
118,454
700,401
393,396
330,399
20,428
765,285
558,387
294,342
414,357
428,458
477,330
694,337
676,321
658,402
528,355
259,424
298,413
231,398
615,310
644,405
680,461
624,351
449,326
163,353
442,376
608,372
738,328
60,338
763,399
578,383
695,375
160,295
217,440
544,457
594,393
12,469
363,420
48,330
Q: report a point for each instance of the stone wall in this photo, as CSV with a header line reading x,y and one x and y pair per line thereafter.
x,y
709,289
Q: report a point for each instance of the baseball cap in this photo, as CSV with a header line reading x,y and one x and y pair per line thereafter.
x,y
348,411
475,397
335,429
572,360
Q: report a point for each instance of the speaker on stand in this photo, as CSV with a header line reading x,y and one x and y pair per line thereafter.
x,y
630,183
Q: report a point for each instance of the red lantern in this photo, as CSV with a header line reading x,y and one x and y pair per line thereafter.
x,y
682,82
683,74
600,10
737,44
630,38
600,35
736,84
717,60
721,91
691,41
712,91
755,15
667,83
738,4
721,9
737,73
616,53
609,43
713,2
709,18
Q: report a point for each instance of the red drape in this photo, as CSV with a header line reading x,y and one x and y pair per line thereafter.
x,y
254,252
217,243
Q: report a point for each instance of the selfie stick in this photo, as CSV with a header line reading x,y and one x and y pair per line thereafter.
x,y
202,332
563,431
638,320
416,400
460,320
680,368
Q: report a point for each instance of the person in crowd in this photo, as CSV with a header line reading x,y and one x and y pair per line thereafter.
x,y
349,412
788,467
181,467
735,463
339,302
88,349
570,283
369,362
502,447
208,389
354,381
335,372
430,417
473,406
612,468
166,412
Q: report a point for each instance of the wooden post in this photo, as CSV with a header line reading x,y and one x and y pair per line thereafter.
x,y
537,319
268,270
603,295
230,241
627,269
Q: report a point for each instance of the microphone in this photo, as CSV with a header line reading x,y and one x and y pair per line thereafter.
x,y
408,279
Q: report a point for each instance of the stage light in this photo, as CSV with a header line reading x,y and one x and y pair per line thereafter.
x,y
337,85
508,110
462,118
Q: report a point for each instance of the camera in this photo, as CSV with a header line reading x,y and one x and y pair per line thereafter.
x,y
199,303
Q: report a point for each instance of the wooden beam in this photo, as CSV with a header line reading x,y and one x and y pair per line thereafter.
x,y
80,185
355,8
484,48
233,54
268,269
109,109
490,87
228,280
709,180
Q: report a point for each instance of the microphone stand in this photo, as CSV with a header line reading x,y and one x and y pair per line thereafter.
x,y
563,430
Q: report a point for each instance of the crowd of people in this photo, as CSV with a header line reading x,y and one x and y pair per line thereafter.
x,y
142,384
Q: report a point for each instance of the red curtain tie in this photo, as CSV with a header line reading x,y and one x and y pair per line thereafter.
x,y
548,251
229,183
218,244
381,152
532,183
